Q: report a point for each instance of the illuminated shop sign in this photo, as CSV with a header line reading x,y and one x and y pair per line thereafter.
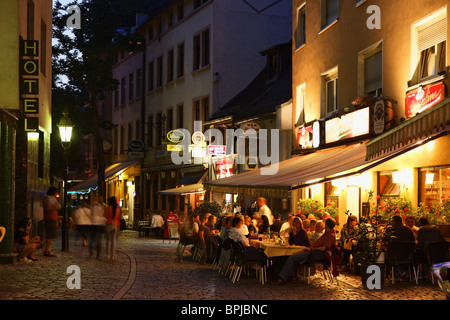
x,y
305,137
424,98
348,126
224,167
29,83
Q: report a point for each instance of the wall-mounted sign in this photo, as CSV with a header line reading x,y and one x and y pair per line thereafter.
x,y
305,137
224,167
29,83
250,125
135,145
216,150
424,98
379,117
318,133
175,136
198,137
348,126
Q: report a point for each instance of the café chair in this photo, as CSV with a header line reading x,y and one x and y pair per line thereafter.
x,y
242,259
437,252
215,263
402,253
317,258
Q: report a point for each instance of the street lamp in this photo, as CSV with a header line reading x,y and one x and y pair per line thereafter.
x,y
65,130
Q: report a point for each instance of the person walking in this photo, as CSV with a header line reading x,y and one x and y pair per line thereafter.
x,y
51,204
83,221
97,230
112,227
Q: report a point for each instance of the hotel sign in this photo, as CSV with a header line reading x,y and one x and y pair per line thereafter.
x,y
29,84
424,98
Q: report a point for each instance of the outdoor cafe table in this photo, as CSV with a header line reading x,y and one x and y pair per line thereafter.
x,y
271,249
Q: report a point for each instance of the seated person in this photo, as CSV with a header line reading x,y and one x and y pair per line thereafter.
x,y
264,226
287,224
297,235
237,236
317,232
22,242
316,252
250,226
189,233
426,234
277,223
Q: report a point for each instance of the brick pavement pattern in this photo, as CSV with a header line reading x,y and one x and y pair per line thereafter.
x,y
146,269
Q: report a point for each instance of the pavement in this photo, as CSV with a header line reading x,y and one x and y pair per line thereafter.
x,y
146,269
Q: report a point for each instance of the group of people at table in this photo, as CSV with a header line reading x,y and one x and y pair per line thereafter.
x,y
315,234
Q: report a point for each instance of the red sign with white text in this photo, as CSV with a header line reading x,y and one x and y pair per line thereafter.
x,y
424,98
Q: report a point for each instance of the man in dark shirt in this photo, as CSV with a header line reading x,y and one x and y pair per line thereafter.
x,y
275,227
398,231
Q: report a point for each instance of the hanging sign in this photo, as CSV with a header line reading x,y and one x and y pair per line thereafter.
x,y
29,83
424,98
305,137
216,150
379,118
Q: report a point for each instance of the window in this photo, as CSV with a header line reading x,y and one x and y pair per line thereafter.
x,y
150,131
386,185
197,111
170,18
180,11
331,89
180,61
272,66
151,71
197,52
300,105
138,130
371,71
115,142
300,31
330,12
169,120
150,33
138,82
116,98
159,72
205,48
159,128
170,63
122,139
180,116
122,91
201,45
429,47
131,87
434,184
205,105
130,131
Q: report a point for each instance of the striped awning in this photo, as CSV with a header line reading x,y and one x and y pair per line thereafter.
x,y
427,124
294,173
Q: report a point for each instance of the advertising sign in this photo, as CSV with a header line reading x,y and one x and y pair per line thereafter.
x,y
379,118
424,98
305,137
216,150
348,126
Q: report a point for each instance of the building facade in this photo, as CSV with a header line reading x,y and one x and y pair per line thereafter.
x,y
25,99
195,60
390,56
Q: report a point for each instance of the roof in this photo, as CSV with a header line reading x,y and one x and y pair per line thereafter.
x,y
260,97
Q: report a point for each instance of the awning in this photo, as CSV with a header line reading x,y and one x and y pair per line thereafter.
x,y
194,178
427,124
192,188
91,182
295,173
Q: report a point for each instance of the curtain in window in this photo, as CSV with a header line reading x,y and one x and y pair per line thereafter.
x,y
441,52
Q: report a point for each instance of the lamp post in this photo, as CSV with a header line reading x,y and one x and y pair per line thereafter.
x,y
65,130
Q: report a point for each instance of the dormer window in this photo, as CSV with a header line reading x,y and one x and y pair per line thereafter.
x,y
272,66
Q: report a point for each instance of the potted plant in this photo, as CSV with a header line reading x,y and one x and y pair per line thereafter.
x,y
438,213
365,252
309,206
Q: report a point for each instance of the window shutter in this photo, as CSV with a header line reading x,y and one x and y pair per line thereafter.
x,y
432,35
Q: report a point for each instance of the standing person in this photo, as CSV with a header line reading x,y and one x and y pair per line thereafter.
x,y
83,221
264,210
347,234
98,222
51,204
112,227
158,224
